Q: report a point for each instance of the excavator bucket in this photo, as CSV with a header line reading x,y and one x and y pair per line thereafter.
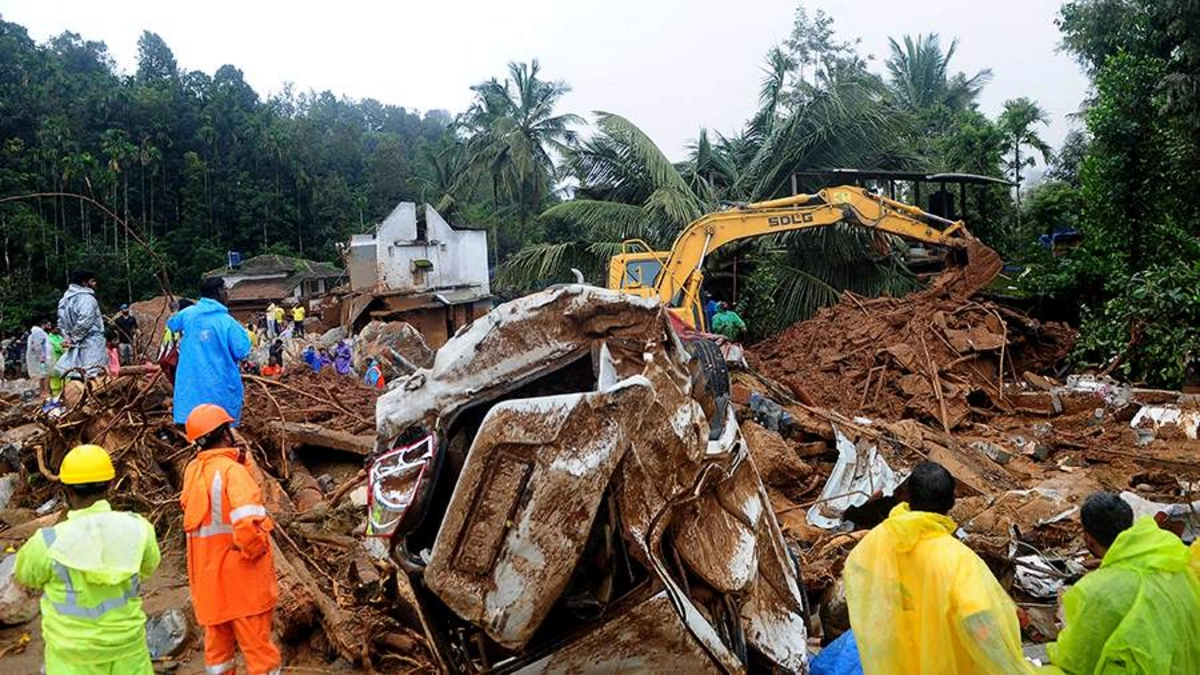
x,y
982,266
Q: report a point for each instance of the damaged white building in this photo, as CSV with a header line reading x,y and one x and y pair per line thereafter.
x,y
420,269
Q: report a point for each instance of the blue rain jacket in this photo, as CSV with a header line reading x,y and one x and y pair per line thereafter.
x,y
212,345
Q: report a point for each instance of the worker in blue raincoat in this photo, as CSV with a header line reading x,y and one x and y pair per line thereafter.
x,y
213,345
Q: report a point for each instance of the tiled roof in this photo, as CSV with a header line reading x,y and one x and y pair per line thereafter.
x,y
281,264
262,289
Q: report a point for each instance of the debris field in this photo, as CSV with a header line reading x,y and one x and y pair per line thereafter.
x,y
869,387
308,434
834,411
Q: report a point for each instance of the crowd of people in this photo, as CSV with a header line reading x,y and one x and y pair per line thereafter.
x,y
84,343
90,566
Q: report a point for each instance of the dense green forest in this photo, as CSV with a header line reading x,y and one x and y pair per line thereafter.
x,y
197,164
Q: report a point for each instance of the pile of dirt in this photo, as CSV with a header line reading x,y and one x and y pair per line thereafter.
x,y
1022,471
930,356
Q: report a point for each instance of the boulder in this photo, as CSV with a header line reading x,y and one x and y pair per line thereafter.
x,y
168,633
400,349
17,605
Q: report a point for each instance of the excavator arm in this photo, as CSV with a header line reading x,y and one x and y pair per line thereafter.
x,y
678,274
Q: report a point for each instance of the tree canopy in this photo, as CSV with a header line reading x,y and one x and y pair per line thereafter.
x,y
178,166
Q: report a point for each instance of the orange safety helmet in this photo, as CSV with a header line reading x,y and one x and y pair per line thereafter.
x,y
205,419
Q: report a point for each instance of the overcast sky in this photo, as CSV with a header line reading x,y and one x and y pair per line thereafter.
x,y
671,66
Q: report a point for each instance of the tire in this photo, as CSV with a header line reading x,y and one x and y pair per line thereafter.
x,y
716,381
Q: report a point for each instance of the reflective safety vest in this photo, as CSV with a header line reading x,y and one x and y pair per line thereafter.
x,y
89,570
230,568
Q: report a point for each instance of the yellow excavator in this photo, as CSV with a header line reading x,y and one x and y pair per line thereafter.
x,y
675,277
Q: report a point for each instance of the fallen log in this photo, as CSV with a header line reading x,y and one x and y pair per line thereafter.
x,y
296,610
337,540
304,490
344,633
18,534
307,433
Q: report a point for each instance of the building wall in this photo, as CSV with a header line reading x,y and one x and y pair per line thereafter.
x,y
393,255
462,255
431,323
459,258
360,263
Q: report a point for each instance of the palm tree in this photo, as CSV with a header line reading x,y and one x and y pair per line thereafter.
x,y
627,190
1016,123
773,93
919,76
711,169
512,133
842,122
443,167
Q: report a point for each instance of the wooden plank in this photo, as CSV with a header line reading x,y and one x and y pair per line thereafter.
x,y
306,433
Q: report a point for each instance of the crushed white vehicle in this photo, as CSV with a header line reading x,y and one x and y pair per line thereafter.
x,y
568,491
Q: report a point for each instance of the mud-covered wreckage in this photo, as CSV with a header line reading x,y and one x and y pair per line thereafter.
x,y
568,489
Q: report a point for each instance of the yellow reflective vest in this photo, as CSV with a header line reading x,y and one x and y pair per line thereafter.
x,y
89,569
922,602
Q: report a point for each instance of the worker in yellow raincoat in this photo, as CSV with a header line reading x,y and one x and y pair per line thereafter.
x,y
922,602
1140,611
89,569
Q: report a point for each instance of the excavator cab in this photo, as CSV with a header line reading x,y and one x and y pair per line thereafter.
x,y
636,270
635,267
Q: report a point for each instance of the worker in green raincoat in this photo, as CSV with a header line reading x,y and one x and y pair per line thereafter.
x,y
727,323
89,569
1140,611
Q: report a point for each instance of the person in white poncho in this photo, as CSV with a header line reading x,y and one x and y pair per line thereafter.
x,y
37,356
82,326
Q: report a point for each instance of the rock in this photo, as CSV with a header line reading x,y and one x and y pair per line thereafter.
x,y
358,496
326,483
834,612
775,458
333,336
17,605
991,451
168,633
398,346
8,485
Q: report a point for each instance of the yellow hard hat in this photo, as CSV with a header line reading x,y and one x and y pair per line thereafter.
x,y
86,464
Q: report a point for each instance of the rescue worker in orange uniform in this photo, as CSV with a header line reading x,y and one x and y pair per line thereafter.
x,y
230,568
